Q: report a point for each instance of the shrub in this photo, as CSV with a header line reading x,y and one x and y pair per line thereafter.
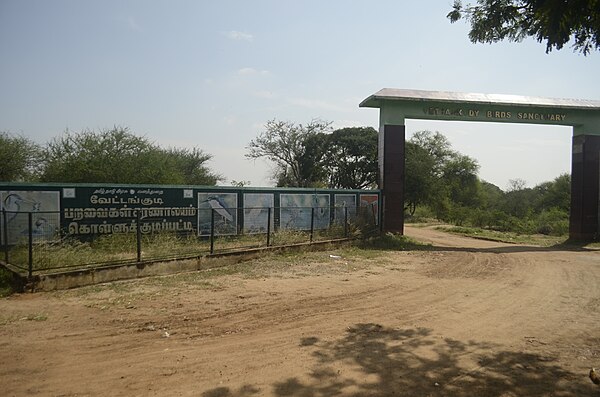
x,y
553,221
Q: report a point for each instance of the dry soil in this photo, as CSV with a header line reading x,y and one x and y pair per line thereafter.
x,y
464,318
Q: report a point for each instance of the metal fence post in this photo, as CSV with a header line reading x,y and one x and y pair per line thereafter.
x,y
269,226
30,243
374,218
212,230
5,235
138,233
345,222
312,223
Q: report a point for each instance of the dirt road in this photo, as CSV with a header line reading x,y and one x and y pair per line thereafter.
x,y
465,318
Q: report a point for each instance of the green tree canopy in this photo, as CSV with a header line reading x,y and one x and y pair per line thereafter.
x,y
351,158
554,194
419,180
445,183
189,166
438,176
119,156
437,146
294,148
556,22
310,156
491,195
21,158
518,199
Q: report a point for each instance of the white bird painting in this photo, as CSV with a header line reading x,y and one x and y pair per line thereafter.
x,y
217,204
223,206
15,203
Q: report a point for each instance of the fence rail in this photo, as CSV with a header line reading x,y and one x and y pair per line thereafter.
x,y
38,242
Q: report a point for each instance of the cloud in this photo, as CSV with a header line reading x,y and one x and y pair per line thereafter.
x,y
348,123
257,127
229,120
265,94
236,35
317,104
252,71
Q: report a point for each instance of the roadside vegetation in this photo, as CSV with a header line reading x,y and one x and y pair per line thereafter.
x,y
114,155
443,185
505,237
6,287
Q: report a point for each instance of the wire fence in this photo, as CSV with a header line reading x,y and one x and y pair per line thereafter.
x,y
43,242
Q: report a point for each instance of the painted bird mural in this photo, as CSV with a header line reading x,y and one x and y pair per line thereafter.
x,y
15,203
217,204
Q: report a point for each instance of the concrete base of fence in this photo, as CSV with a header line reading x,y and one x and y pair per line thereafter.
x,y
97,275
18,279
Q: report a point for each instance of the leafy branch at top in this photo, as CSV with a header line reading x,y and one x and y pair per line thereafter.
x,y
554,22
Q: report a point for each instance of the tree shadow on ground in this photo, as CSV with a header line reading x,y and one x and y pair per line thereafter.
x,y
244,391
372,360
413,362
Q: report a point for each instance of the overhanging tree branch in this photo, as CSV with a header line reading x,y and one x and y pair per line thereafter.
x,y
554,22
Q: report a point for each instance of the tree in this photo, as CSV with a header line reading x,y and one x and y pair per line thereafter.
x,y
492,195
295,149
516,185
419,178
438,176
21,158
190,164
554,21
118,156
437,146
460,177
313,160
108,156
240,183
554,194
351,158
309,156
518,199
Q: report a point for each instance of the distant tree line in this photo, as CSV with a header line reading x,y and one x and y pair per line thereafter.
x,y
440,182
443,184
110,156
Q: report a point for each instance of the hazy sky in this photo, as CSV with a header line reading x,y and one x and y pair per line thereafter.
x,y
211,73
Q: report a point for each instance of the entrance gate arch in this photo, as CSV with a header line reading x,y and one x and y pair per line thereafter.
x,y
397,105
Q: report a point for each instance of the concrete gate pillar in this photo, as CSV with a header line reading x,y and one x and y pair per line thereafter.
x,y
585,184
391,165
398,105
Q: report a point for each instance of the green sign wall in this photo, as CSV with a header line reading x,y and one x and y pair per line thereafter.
x,y
86,210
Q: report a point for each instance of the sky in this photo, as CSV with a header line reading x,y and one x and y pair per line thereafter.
x,y
210,74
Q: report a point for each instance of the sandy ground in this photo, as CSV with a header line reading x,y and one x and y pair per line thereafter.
x,y
466,318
